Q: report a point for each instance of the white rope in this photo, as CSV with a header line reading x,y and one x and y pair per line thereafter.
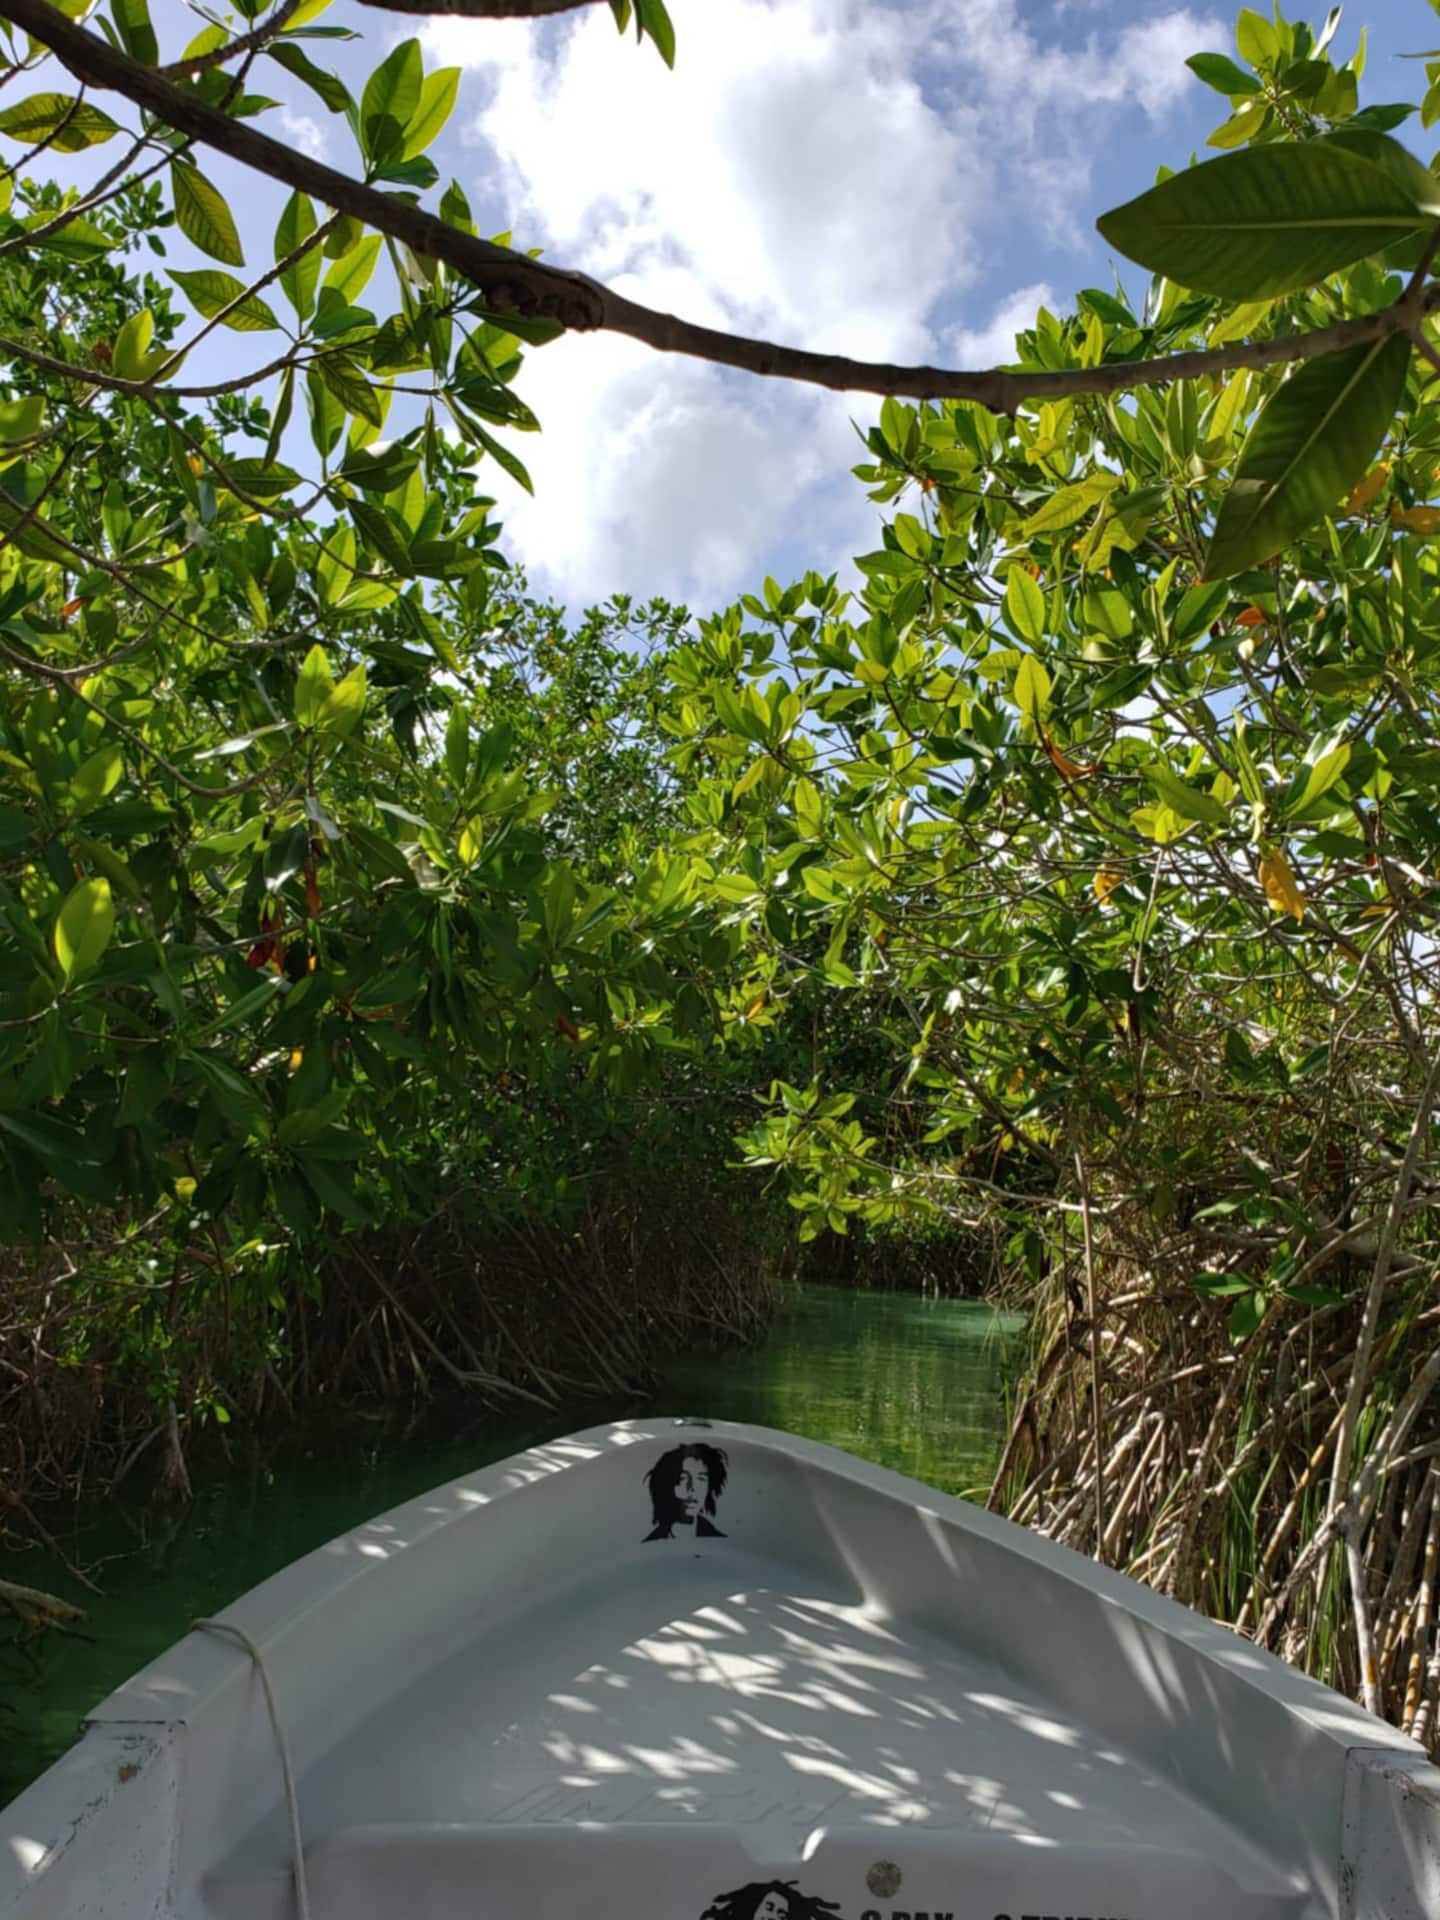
x,y
302,1891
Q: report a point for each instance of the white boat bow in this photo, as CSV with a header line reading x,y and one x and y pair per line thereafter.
x,y
692,1671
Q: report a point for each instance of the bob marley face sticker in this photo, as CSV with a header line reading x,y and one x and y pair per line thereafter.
x,y
685,1484
771,1900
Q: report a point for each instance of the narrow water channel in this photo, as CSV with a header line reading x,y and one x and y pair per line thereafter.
x,y
913,1383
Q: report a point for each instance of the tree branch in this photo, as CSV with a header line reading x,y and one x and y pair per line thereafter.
x,y
35,1609
510,282
252,42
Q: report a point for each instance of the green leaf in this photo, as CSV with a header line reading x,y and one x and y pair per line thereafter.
x,y
1256,38
1024,607
1246,1315
349,275
499,453
327,414
1303,79
1185,800
212,292
1321,774
350,388
1032,687
208,40
1239,322
1219,71
313,687
382,472
392,92
16,829
332,1189
333,91
457,746
455,208
1245,124
437,102
1410,174
94,779
1222,1285
652,18
335,569
1070,504
51,1139
1382,118
297,223
1201,607
21,419
344,705
67,124
384,533
34,537
1315,438
259,479
203,215
130,356
83,927
333,317
1263,222
77,240
137,36
393,987
1251,784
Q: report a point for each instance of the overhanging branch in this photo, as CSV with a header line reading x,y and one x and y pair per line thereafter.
x,y
510,282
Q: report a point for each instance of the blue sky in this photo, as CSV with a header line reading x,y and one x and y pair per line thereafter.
x,y
895,179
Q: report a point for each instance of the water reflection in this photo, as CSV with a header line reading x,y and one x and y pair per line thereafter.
x,y
910,1382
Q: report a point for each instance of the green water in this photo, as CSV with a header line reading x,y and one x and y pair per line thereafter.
x,y
912,1383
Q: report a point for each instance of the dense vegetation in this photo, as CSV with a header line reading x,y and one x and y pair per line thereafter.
x,y
401,990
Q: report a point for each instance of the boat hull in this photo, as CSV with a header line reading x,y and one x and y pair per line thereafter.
x,y
695,1671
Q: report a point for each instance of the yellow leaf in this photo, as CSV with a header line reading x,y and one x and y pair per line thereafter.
x,y
756,1004
295,1059
1416,519
1107,879
1366,490
1279,884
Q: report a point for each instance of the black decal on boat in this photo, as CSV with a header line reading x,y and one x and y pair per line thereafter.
x,y
772,1900
685,1484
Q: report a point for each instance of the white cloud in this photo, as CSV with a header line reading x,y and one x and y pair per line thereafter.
x,y
1153,57
303,132
994,344
835,174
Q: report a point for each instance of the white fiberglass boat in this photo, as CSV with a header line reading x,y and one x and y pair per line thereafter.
x,y
684,1671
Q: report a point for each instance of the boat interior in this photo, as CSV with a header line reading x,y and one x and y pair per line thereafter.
x,y
696,1673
